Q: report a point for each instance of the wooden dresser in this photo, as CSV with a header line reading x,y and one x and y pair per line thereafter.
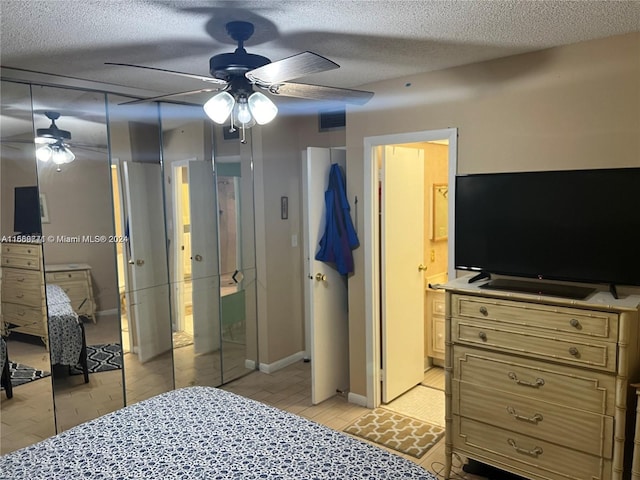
x,y
75,280
540,386
24,308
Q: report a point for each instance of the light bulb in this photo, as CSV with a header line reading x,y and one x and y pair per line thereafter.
x,y
262,108
219,107
44,153
244,115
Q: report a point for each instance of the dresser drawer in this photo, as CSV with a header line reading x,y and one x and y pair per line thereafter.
x,y
22,277
591,323
528,341
21,262
68,276
22,316
587,390
23,294
590,432
75,290
529,456
21,250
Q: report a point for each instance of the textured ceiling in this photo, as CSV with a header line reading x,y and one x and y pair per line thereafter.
x,y
371,40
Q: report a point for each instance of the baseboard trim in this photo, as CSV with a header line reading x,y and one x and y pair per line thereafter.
x,y
112,311
249,364
283,362
357,399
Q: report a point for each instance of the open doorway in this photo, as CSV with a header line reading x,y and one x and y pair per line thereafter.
x,y
408,181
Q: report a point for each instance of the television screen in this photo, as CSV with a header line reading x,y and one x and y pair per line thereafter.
x,y
577,225
26,219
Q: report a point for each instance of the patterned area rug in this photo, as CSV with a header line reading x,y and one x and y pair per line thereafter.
x,y
21,374
102,358
396,431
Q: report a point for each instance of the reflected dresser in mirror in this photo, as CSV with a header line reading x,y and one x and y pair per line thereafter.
x,y
75,280
23,300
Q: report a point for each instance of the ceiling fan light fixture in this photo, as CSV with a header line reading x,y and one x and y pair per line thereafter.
x,y
262,108
219,107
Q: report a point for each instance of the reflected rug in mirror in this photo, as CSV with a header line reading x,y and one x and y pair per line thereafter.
x,y
21,374
396,431
102,358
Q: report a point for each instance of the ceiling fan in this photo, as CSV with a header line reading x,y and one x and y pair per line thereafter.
x,y
236,76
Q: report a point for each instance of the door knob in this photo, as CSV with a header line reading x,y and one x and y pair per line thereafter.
x,y
321,277
422,268
139,262
198,258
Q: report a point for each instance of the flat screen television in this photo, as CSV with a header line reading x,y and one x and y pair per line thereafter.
x,y
26,218
574,225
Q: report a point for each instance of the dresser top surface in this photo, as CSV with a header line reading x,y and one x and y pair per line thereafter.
x,y
65,267
598,299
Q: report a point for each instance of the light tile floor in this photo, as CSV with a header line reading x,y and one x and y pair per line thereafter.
x,y
290,389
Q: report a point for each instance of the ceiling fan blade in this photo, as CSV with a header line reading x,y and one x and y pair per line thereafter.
x,y
319,92
169,95
172,72
299,65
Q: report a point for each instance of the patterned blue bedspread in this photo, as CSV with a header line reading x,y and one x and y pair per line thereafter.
x,y
65,333
204,433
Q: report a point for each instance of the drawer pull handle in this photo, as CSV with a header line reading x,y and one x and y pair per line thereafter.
x,y
537,384
532,453
483,336
20,295
575,323
21,279
484,311
535,419
21,314
574,352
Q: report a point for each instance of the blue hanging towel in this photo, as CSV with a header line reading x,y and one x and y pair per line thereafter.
x,y
339,238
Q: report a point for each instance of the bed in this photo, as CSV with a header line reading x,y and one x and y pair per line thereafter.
x,y
67,343
205,433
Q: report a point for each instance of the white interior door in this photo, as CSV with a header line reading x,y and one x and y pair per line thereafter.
x,y
326,316
147,258
205,279
402,279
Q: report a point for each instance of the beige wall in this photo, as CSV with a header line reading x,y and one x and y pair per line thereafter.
x,y
571,107
278,152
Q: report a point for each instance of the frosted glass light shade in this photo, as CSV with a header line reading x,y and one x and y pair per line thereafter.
x,y
262,109
62,155
219,107
44,153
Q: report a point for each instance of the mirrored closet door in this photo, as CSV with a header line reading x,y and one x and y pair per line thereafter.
x,y
79,253
27,397
143,276
234,189
209,208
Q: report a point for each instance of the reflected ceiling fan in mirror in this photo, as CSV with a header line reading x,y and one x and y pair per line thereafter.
x,y
52,143
236,76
